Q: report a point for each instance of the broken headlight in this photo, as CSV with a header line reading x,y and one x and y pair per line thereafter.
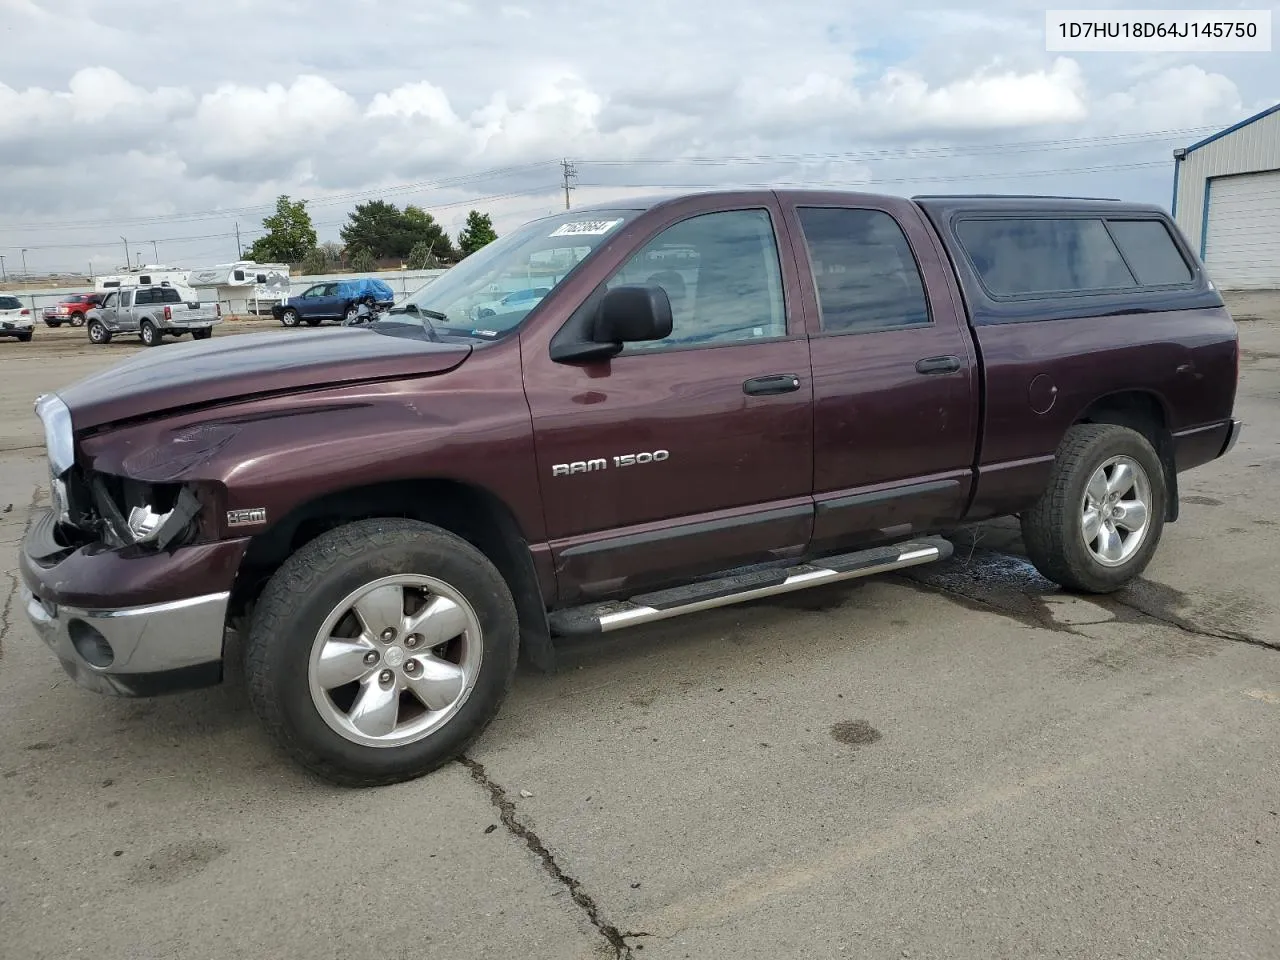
x,y
134,512
59,442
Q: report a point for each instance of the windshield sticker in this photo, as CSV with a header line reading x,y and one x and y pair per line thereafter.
x,y
584,228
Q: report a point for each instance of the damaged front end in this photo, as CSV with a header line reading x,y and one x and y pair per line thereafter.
x,y
118,511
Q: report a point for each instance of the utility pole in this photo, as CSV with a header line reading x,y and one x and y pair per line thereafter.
x,y
24,265
126,252
570,173
239,252
4,277
156,251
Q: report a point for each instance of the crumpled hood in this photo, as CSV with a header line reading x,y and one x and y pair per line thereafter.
x,y
226,368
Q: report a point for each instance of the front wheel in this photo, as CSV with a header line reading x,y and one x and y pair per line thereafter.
x,y
289,318
148,334
201,334
77,319
380,651
98,333
1097,525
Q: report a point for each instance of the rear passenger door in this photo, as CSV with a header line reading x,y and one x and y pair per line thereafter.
x,y
895,375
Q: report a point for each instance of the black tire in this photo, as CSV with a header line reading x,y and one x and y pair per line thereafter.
x,y
289,317
24,338
349,312
202,334
1053,530
305,591
313,321
53,323
148,334
98,333
77,319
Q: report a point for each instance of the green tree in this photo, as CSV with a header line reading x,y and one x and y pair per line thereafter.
x,y
316,261
362,261
422,257
384,230
478,232
290,234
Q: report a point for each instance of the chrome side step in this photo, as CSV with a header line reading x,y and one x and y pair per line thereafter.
x,y
752,585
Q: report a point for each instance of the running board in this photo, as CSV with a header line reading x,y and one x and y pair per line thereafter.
x,y
709,594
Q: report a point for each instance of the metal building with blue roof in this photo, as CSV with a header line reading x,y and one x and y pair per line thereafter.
x,y
1226,199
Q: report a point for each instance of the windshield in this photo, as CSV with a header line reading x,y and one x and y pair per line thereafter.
x,y
489,293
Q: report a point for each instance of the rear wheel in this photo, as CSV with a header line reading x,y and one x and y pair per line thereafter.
x,y
24,338
148,333
98,333
350,314
380,651
289,317
1098,523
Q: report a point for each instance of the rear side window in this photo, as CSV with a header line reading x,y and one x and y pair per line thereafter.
x,y
10,303
863,269
1150,251
1044,256
166,295
143,298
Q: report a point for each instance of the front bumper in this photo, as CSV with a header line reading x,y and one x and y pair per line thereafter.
x,y
135,651
127,623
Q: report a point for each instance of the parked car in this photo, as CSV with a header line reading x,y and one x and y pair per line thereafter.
x,y
71,310
333,300
521,300
153,313
723,397
15,318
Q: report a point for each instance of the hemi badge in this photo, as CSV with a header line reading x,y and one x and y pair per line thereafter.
x,y
240,518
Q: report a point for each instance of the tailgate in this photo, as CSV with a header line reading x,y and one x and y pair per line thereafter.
x,y
187,314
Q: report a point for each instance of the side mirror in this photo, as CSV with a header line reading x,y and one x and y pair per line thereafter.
x,y
633,313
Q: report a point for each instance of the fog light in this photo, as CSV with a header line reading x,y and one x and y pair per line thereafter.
x,y
90,644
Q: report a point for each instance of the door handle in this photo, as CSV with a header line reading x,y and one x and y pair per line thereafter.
x,y
938,365
767,386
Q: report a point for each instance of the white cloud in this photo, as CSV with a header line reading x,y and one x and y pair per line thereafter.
x,y
237,102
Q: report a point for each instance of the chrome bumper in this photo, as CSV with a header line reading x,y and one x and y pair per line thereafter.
x,y
135,651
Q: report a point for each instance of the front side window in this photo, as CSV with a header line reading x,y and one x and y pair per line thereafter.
x,y
1036,256
722,274
491,291
110,300
863,270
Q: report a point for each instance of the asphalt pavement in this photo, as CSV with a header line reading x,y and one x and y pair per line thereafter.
x,y
960,762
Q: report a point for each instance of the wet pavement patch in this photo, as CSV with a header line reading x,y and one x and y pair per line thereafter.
x,y
1203,501
855,733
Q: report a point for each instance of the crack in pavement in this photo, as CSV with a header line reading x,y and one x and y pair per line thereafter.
x,y
1180,624
1037,619
507,811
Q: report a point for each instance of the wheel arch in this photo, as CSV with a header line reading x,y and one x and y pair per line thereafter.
x,y
1148,414
467,510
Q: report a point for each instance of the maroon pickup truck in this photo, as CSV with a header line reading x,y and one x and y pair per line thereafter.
x,y
714,398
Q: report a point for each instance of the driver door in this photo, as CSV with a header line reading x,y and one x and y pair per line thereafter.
x,y
107,310
691,454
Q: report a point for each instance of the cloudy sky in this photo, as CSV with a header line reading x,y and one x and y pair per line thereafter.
x,y
174,123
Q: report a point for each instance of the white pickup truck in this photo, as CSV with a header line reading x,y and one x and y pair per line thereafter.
x,y
152,312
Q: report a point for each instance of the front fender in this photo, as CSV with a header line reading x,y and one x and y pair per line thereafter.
x,y
273,454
